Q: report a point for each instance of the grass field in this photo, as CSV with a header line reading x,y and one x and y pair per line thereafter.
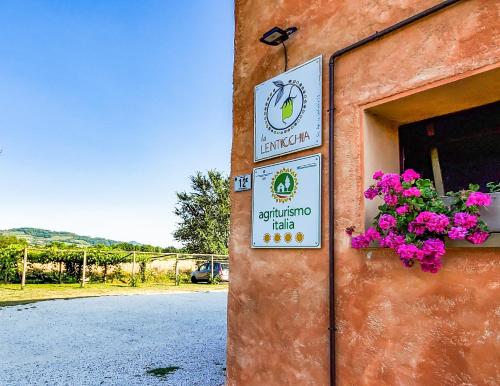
x,y
12,294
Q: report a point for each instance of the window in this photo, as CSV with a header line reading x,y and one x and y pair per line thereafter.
x,y
448,131
455,149
204,267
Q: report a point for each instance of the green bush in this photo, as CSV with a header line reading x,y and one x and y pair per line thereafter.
x,y
10,263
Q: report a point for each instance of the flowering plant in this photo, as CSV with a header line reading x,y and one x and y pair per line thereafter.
x,y
414,220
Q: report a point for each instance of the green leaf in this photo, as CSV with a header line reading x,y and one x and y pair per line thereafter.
x,y
287,109
493,187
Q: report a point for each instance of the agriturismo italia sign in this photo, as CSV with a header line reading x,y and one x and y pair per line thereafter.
x,y
286,204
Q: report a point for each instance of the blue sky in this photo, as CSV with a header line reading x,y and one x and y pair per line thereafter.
x,y
106,108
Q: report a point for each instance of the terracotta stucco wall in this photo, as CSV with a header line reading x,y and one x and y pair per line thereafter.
x,y
395,326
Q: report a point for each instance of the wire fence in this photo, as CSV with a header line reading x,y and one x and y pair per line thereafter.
x,y
100,264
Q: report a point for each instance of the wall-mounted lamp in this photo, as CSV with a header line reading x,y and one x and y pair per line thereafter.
x,y
276,36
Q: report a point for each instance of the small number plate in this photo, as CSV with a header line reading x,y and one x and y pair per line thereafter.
x,y
242,183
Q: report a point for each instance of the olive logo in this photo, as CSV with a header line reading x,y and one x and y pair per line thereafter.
x,y
285,106
284,185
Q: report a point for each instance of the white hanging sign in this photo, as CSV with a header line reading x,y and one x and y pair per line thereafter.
x,y
287,115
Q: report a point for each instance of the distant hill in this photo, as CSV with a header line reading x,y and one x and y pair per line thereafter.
x,y
36,236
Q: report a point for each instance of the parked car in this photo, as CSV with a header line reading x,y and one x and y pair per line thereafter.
x,y
221,271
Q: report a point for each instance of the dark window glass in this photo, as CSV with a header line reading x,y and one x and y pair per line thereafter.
x,y
204,267
467,145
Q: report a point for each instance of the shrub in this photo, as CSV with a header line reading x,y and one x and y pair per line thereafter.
x,y
10,263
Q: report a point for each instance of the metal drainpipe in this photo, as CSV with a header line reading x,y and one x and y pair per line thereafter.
x,y
331,109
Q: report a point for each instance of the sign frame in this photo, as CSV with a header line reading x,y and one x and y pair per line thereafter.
x,y
319,198
317,106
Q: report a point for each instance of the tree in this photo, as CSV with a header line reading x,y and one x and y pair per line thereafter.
x,y
287,184
10,256
204,214
5,241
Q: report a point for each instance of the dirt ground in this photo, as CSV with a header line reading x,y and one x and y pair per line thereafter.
x,y
116,340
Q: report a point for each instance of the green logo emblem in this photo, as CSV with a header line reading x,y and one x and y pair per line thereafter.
x,y
284,185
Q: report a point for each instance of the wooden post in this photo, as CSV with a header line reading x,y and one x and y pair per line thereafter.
x,y
133,269
436,170
25,267
176,269
212,268
436,166
83,267
60,272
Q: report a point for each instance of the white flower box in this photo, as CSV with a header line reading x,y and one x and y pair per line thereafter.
x,y
490,215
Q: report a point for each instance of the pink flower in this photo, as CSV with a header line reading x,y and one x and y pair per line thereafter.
x,y
478,237
390,182
391,199
402,210
424,217
372,234
410,175
466,220
478,199
434,248
378,175
371,193
432,267
409,252
386,221
412,192
438,223
428,221
360,241
434,222
414,227
457,233
364,239
392,240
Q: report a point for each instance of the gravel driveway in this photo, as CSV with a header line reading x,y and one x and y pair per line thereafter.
x,y
115,340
